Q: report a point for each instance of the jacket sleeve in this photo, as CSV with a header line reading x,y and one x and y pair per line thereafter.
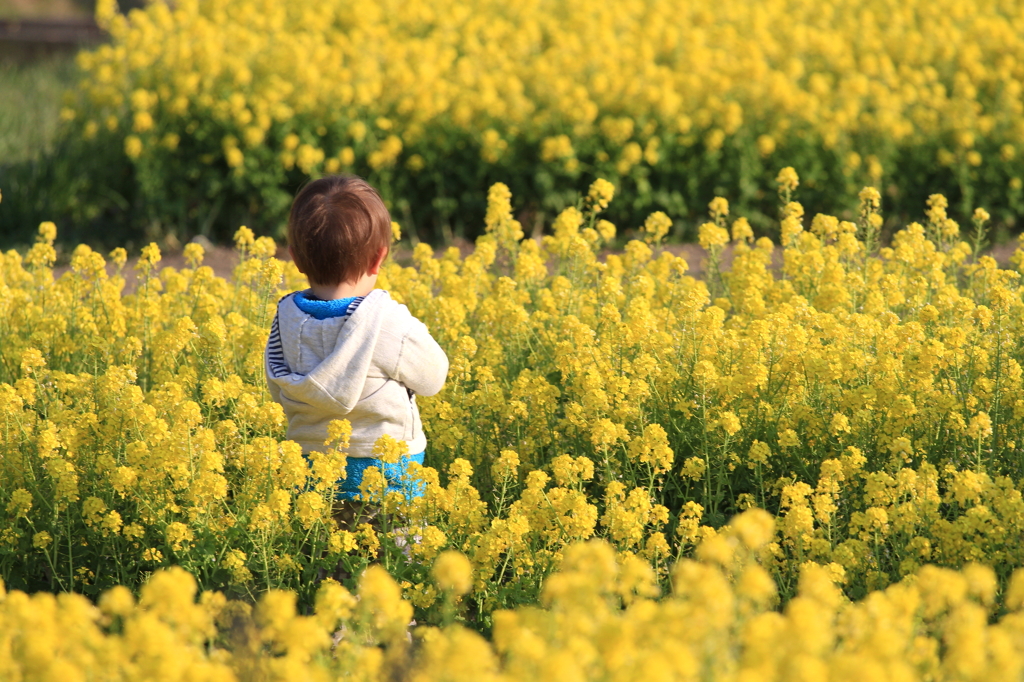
x,y
274,389
422,365
273,359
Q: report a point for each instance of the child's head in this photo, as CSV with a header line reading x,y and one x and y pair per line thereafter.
x,y
338,229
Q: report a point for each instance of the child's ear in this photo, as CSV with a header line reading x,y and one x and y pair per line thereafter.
x,y
375,269
291,254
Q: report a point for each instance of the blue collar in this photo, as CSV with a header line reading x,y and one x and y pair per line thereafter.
x,y
322,310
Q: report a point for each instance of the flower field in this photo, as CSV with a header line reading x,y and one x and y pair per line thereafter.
x,y
817,466
209,114
600,620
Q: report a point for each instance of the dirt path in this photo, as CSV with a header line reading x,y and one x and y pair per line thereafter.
x,y
224,259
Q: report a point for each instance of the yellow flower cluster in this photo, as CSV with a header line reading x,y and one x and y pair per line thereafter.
x,y
257,90
869,397
602,617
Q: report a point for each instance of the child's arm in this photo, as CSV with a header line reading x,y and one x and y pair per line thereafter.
x,y
421,365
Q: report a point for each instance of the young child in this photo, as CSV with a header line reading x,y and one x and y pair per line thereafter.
x,y
343,349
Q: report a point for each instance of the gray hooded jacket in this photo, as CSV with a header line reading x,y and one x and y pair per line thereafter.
x,y
366,367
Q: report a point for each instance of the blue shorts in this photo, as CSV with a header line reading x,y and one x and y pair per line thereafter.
x,y
397,476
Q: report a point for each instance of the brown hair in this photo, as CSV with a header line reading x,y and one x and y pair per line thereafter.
x,y
337,227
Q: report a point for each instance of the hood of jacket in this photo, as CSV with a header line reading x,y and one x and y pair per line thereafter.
x,y
330,360
365,367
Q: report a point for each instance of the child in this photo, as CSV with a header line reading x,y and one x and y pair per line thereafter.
x,y
343,349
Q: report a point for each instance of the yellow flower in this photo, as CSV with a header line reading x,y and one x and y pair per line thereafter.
x,y
415,162
244,237
741,231
694,468
870,197
341,542
570,471
179,536
390,450
20,503
453,573
719,208
309,508
729,422
759,453
506,466
600,194
143,121
234,157
656,227
117,601
980,426
132,147
460,467
381,603
153,555
556,148
840,424
47,232
334,604
652,447
787,179
712,236
789,439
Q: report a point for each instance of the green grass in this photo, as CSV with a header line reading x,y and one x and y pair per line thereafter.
x,y
30,101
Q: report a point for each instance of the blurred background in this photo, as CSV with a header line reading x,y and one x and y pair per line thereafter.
x,y
38,43
190,119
